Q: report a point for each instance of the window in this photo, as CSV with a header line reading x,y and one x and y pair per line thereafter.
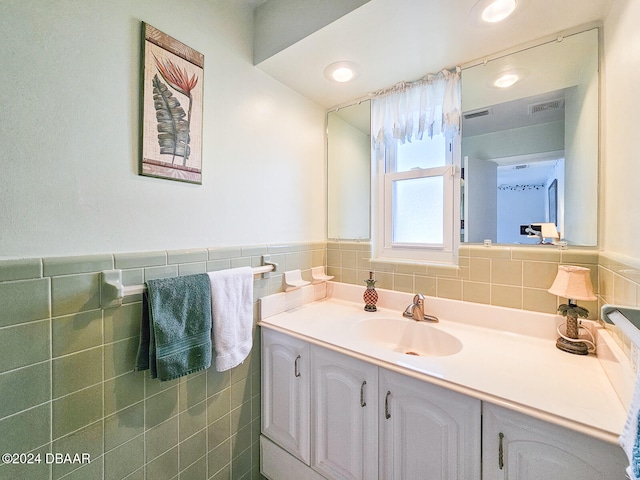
x,y
416,198
415,127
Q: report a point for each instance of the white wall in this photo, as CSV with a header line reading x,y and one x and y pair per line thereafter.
x,y
69,91
481,200
519,207
620,179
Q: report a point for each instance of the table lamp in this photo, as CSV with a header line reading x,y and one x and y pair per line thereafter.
x,y
542,231
572,283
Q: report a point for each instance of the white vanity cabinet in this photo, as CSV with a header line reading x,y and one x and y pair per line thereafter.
x,y
330,415
426,431
358,430
344,405
519,447
285,392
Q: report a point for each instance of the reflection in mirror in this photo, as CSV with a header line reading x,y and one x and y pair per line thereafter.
x,y
530,150
349,172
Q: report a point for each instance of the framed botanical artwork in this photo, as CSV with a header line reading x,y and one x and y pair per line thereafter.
x,y
172,97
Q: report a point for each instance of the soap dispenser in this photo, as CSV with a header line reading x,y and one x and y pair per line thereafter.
x,y
370,295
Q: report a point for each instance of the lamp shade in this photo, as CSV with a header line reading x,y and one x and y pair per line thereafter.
x,y
544,230
549,230
573,282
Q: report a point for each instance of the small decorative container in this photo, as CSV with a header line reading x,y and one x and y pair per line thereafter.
x,y
370,295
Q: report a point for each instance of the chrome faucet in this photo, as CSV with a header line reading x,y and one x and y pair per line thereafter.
x,y
416,310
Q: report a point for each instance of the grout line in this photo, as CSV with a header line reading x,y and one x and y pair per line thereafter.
x,y
51,381
123,443
21,324
28,409
104,430
78,391
144,426
180,381
101,345
206,418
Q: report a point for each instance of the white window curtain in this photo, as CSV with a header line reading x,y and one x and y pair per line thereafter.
x,y
408,111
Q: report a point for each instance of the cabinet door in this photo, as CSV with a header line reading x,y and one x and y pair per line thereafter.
x,y
519,447
285,392
344,411
427,432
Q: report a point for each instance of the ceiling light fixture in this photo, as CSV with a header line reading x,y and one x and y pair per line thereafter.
x,y
498,10
342,72
506,80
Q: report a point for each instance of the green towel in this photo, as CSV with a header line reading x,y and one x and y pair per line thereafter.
x,y
175,332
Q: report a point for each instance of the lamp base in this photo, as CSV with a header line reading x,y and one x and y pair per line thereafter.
x,y
577,348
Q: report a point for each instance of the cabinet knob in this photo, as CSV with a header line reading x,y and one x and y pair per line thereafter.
x,y
500,451
296,370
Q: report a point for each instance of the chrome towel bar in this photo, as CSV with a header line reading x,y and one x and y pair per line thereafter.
x,y
112,291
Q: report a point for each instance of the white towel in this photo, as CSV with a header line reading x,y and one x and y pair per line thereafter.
x,y
630,438
232,315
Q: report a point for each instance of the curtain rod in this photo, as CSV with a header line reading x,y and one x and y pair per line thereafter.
x,y
395,87
401,86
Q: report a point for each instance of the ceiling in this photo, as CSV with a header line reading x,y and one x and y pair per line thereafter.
x,y
535,173
515,114
402,40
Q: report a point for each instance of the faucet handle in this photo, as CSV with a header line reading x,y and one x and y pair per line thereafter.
x,y
416,310
408,312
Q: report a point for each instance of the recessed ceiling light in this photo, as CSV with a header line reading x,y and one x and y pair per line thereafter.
x,y
488,12
506,80
342,72
498,10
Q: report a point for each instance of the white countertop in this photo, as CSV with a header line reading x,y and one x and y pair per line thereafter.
x,y
512,361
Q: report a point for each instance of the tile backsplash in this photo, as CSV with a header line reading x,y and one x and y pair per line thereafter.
x,y
67,383
619,284
507,276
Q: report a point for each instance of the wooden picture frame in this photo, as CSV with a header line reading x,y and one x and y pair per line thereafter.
x,y
172,108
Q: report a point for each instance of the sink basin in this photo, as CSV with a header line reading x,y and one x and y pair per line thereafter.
x,y
408,337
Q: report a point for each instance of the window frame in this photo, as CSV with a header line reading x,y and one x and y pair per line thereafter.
x,y
384,249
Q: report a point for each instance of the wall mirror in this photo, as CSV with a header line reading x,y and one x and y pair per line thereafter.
x,y
349,172
530,144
